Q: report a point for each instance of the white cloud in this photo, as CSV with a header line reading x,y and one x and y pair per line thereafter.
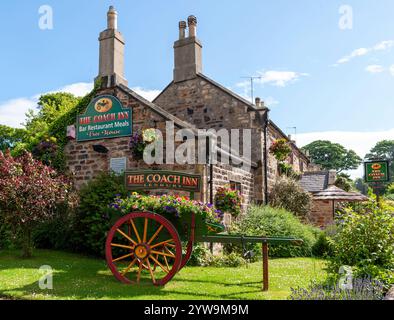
x,y
12,112
392,70
381,46
146,93
360,142
375,68
273,77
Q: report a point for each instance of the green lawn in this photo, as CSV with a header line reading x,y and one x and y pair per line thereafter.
x,y
79,277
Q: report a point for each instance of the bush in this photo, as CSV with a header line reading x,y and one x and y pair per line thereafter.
x,y
232,260
266,221
57,233
289,195
94,218
199,255
365,241
323,246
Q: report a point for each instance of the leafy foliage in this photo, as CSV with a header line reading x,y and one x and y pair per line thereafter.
x,y
365,241
332,156
29,193
9,137
289,195
94,217
228,200
266,221
344,182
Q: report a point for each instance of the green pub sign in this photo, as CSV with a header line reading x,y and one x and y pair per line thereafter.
x,y
104,118
377,171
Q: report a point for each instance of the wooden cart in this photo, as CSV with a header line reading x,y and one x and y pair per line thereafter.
x,y
147,247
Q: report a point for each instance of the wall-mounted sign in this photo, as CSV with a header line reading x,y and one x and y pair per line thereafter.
x,y
104,118
151,179
118,165
377,171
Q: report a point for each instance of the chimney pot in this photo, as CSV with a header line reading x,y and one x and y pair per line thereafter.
x,y
112,18
258,102
192,21
182,30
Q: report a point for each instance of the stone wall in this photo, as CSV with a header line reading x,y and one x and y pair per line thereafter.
x,y
224,174
85,164
298,161
321,214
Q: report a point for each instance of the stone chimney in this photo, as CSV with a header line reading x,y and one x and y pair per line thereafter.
x,y
332,177
188,52
259,103
111,66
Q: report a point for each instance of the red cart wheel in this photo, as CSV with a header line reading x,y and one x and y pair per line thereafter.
x,y
143,246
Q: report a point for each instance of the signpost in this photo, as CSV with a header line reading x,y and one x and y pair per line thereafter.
x,y
377,173
157,179
104,118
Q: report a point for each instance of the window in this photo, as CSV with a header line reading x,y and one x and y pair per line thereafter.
x,y
236,186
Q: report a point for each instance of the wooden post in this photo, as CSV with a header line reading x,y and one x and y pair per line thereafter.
x,y
265,267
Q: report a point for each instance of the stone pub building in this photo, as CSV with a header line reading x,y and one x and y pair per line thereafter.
x,y
193,101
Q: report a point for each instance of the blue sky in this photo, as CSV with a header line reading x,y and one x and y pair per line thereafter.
x,y
295,46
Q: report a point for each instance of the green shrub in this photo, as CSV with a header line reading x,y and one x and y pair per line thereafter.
x,y
94,218
232,260
199,255
57,233
289,195
323,246
365,241
273,222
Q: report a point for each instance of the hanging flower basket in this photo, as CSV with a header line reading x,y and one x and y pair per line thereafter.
x,y
140,140
280,149
228,200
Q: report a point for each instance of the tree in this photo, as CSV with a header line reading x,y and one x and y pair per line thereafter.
x,y
29,194
51,107
384,150
332,156
9,137
289,195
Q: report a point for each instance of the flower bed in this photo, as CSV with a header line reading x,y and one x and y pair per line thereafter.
x,y
166,205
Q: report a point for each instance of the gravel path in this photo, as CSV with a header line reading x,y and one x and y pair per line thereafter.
x,y
390,294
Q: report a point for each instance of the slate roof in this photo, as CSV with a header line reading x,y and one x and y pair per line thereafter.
x,y
314,181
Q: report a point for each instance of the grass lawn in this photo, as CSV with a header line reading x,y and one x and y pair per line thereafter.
x,y
79,277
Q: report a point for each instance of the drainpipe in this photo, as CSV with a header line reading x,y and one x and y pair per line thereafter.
x,y
266,121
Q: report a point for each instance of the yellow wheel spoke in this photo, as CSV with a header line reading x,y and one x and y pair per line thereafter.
x,y
129,267
163,254
139,272
135,231
170,245
161,243
168,250
145,229
121,246
160,265
126,236
156,234
123,257
166,261
151,271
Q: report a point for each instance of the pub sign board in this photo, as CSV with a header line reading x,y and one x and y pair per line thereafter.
x,y
157,179
104,118
377,171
